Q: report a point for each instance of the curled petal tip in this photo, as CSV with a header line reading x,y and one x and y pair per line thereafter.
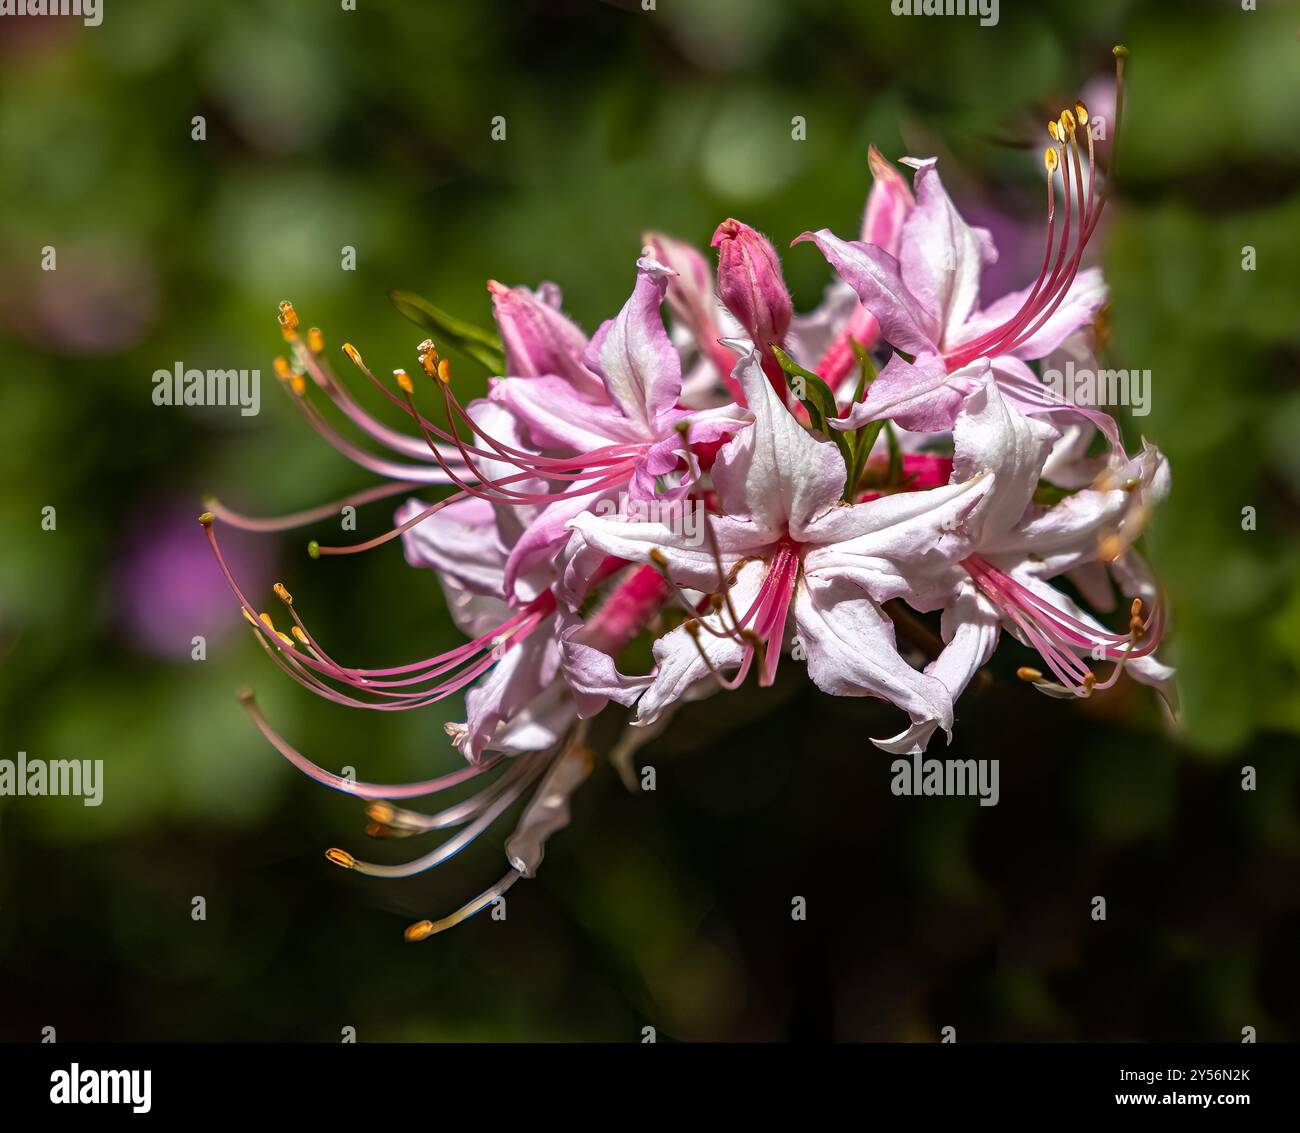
x,y
729,229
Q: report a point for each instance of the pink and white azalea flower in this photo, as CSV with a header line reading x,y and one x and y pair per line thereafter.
x,y
540,340
1016,547
770,559
591,488
823,338
641,433
926,299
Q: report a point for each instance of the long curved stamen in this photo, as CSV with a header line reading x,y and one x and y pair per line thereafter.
x,y
490,649
610,465
989,344
380,466
422,930
270,524
1061,639
1047,294
308,358
386,689
439,369
1079,633
388,821
541,607
352,786
1087,223
769,627
715,602
533,766
762,628
316,549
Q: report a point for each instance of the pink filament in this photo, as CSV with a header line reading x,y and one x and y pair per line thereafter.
x,y
1057,636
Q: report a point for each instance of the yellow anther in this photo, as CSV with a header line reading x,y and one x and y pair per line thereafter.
x,y
1068,123
285,638
1025,673
298,384
251,620
692,626
340,857
1110,548
351,352
658,558
1054,131
1050,159
421,930
266,621
283,594
206,519
404,381
1081,113
1089,680
428,356
381,812
444,371
315,340
282,370
299,635
1135,610
288,316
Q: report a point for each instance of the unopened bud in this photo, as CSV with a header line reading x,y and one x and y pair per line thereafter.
x,y
751,284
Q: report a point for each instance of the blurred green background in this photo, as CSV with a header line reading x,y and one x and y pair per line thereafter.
x,y
371,128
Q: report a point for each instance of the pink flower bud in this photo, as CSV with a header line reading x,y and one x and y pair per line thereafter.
x,y
690,291
888,204
750,283
538,338
694,302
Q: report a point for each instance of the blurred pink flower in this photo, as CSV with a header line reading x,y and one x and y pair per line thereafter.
x,y
169,589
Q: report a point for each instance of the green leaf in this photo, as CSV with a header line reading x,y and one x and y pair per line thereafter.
x,y
817,394
895,478
866,365
864,438
447,330
819,401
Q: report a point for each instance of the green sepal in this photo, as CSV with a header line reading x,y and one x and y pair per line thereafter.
x,y
864,438
895,478
820,403
447,330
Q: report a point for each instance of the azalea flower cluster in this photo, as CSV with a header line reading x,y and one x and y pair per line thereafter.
x,y
739,484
